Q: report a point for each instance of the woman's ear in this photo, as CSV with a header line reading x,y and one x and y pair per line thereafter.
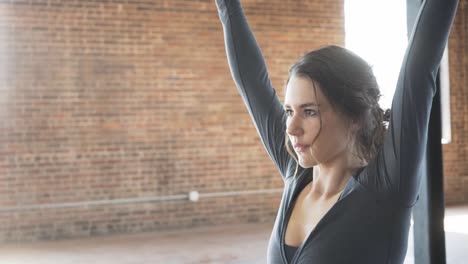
x,y
353,128
352,125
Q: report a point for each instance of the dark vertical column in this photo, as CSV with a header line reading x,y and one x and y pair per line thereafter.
x,y
428,213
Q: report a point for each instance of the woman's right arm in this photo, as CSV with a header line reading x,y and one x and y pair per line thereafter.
x,y
250,74
396,168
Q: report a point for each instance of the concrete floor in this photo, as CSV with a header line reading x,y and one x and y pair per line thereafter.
x,y
222,244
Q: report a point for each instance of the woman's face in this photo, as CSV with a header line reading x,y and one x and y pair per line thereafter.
x,y
305,108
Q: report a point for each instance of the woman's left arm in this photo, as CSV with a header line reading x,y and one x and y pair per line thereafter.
x,y
395,170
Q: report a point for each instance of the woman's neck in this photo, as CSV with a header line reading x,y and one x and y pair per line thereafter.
x,y
330,178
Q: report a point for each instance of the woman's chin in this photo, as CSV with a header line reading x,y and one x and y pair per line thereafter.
x,y
306,163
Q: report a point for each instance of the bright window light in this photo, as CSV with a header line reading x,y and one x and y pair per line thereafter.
x,y
456,223
376,31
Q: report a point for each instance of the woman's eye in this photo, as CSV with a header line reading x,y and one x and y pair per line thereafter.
x,y
310,112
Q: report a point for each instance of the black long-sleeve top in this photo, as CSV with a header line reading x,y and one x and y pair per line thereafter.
x,y
370,221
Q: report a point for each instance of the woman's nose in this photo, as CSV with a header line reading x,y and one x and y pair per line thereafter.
x,y
293,128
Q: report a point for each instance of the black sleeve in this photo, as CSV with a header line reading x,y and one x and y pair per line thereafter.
x,y
250,74
396,167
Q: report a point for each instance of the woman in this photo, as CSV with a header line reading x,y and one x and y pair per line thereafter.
x,y
349,190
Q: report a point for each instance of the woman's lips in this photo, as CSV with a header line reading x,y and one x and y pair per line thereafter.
x,y
301,148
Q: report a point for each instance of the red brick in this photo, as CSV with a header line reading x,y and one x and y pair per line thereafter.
x,y
127,99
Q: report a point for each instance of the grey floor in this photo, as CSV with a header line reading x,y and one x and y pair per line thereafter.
x,y
222,244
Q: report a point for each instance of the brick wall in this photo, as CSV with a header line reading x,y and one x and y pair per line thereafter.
x,y
108,100
455,153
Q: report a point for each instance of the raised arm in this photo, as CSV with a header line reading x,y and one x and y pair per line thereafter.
x,y
250,74
396,167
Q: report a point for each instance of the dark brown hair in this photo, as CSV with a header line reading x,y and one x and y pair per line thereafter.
x,y
351,88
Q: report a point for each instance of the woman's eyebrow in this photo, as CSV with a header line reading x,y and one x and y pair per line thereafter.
x,y
303,105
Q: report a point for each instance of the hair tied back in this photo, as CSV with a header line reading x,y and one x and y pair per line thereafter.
x,y
387,113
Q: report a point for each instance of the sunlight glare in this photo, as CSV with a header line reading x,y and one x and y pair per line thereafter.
x,y
376,31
